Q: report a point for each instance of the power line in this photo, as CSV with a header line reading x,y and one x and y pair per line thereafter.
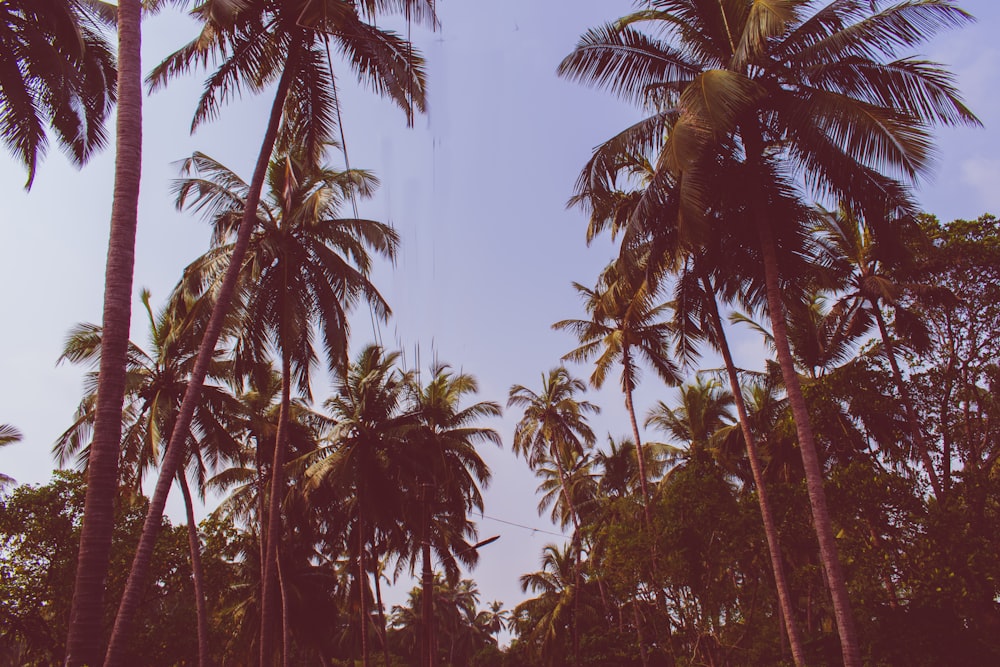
x,y
521,525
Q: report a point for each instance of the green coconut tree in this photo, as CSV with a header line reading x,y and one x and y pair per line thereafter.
x,y
773,94
257,44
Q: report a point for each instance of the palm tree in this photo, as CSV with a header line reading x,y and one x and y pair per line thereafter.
x,y
706,301
258,43
847,239
576,476
703,411
156,384
624,325
85,637
553,428
304,266
8,436
543,620
494,619
360,471
777,93
450,475
56,69
247,489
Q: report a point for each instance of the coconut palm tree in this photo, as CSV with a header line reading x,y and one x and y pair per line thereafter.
x,y
703,412
156,384
450,473
553,428
56,69
361,471
777,93
576,475
544,620
494,619
845,238
259,43
624,325
247,488
304,267
716,334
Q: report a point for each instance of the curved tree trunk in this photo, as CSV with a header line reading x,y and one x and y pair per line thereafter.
x,y
286,624
770,526
269,586
85,639
197,574
176,449
811,464
640,458
377,575
911,414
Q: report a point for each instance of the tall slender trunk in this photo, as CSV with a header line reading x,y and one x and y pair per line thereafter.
x,y
176,448
197,574
638,634
639,454
286,623
770,525
362,584
822,524
578,547
641,460
269,586
85,638
377,576
427,584
916,432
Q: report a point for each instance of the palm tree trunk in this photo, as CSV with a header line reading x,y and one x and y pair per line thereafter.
x,y
85,638
362,584
427,584
640,458
904,392
269,586
576,542
176,448
197,574
638,634
770,526
377,575
286,624
810,455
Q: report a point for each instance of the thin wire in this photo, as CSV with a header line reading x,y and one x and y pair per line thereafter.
x,y
520,525
376,327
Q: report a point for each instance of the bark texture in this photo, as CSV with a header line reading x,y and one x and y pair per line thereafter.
x,y
85,640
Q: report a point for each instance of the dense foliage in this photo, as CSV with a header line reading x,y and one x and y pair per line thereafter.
x,y
840,504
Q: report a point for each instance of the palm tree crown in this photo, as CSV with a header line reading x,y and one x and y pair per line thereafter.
x,y
56,68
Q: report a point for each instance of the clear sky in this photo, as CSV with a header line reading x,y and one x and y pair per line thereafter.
x,y
477,190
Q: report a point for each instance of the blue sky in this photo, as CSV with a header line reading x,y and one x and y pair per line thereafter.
x,y
477,190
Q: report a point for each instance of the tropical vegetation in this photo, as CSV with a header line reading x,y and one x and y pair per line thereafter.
x,y
836,503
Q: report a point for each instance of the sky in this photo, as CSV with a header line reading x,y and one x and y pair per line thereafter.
x,y
477,190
